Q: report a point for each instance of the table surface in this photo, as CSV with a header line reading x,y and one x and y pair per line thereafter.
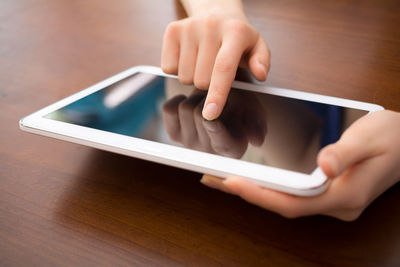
x,y
66,204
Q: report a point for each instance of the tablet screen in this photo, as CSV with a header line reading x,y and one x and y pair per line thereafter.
x,y
260,128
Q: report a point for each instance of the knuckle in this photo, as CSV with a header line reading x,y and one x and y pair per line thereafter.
x,y
239,27
172,29
210,21
190,25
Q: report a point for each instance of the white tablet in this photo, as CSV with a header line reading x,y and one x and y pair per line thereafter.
x,y
270,136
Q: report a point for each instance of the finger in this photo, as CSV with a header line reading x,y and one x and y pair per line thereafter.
x,y
222,142
214,182
208,50
356,188
356,144
186,118
188,54
363,183
170,49
259,60
287,205
223,74
171,117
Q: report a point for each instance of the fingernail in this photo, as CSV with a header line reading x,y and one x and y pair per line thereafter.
x,y
263,67
210,111
212,182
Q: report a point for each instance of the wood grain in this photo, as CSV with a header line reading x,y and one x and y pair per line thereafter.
x,y
65,204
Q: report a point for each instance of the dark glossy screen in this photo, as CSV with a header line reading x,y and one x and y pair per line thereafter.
x,y
255,127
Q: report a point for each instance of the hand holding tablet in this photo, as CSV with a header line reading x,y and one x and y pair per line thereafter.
x,y
362,165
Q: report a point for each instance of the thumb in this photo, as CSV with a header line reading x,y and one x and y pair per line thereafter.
x,y
354,146
259,60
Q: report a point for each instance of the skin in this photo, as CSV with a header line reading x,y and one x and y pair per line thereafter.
x,y
363,164
206,49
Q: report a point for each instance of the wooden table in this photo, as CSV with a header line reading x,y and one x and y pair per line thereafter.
x,y
66,204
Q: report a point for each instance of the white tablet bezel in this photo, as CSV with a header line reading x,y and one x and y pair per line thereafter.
x,y
271,177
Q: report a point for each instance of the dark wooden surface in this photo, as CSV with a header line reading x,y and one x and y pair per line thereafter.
x,y
65,204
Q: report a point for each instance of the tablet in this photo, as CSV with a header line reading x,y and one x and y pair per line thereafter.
x,y
270,136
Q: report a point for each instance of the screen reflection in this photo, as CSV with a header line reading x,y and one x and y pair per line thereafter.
x,y
260,128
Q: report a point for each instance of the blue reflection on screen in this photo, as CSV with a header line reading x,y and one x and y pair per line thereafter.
x,y
130,117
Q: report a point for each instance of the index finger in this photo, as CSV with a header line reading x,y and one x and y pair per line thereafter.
x,y
223,74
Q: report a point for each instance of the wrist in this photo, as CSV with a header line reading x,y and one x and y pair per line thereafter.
x,y
226,8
